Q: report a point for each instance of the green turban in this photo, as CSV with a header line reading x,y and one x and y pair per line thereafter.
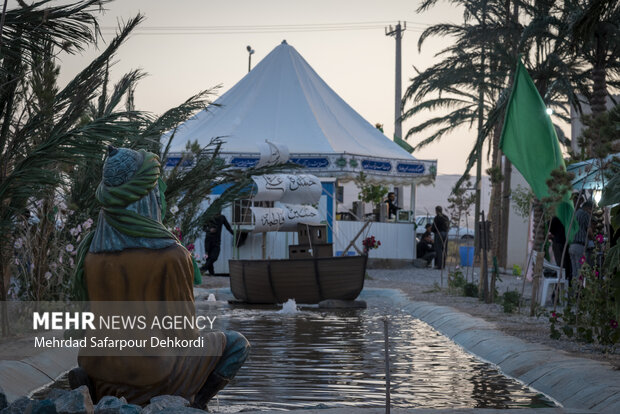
x,y
131,194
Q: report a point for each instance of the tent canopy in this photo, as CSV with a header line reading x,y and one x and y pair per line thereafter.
x,y
593,174
284,100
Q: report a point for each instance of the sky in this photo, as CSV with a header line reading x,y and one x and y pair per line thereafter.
x,y
186,46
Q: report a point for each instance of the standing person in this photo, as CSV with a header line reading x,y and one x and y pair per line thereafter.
x,y
213,239
441,225
392,207
558,238
577,249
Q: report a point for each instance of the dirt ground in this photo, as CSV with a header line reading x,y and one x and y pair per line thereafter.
x,y
425,285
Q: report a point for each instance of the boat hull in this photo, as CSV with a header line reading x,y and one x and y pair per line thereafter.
x,y
307,280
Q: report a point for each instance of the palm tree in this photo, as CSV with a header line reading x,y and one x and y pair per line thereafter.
x,y
473,81
52,140
595,26
595,34
40,133
467,82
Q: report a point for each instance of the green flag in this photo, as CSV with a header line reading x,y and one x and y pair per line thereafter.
x,y
403,144
529,140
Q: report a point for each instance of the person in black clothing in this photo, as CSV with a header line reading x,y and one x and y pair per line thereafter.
x,y
213,240
428,231
441,225
425,249
392,208
558,239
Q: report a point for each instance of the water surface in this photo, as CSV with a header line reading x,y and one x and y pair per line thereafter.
x,y
329,359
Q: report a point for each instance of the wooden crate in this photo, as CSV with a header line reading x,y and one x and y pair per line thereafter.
x,y
312,233
303,251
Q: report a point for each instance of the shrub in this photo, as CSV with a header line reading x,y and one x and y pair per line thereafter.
x,y
456,282
591,312
470,290
510,300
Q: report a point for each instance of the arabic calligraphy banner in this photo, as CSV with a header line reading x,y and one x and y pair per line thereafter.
x,y
272,153
283,219
288,188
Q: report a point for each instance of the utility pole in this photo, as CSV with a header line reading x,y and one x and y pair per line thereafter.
x,y
250,53
480,139
397,32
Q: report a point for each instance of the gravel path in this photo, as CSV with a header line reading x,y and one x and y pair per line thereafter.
x,y
425,285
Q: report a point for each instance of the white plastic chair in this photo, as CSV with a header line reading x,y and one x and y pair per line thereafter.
x,y
549,281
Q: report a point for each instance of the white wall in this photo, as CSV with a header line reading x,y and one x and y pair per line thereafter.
x,y
518,227
397,239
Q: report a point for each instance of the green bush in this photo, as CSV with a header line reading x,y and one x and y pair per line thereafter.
x,y
457,284
470,290
456,280
510,300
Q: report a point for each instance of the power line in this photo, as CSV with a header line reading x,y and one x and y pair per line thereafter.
x,y
270,26
193,33
249,29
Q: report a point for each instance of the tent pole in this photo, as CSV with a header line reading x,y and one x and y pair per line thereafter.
x,y
412,208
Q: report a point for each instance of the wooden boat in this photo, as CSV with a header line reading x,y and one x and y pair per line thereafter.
x,y
305,280
310,275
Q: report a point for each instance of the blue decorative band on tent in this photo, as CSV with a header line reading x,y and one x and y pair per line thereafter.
x,y
173,161
338,165
244,162
311,162
410,168
376,165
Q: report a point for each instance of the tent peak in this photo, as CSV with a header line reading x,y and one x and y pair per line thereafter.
x,y
284,42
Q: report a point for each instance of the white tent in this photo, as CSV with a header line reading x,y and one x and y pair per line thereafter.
x,y
283,100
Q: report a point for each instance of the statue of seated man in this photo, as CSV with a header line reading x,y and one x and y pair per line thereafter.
x,y
131,256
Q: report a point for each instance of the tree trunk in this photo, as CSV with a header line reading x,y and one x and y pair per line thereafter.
x,y
539,237
4,286
495,207
598,102
477,206
495,215
481,88
484,274
505,214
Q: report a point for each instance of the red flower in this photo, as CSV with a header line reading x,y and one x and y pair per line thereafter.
x,y
600,238
554,315
582,260
191,247
613,323
371,243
